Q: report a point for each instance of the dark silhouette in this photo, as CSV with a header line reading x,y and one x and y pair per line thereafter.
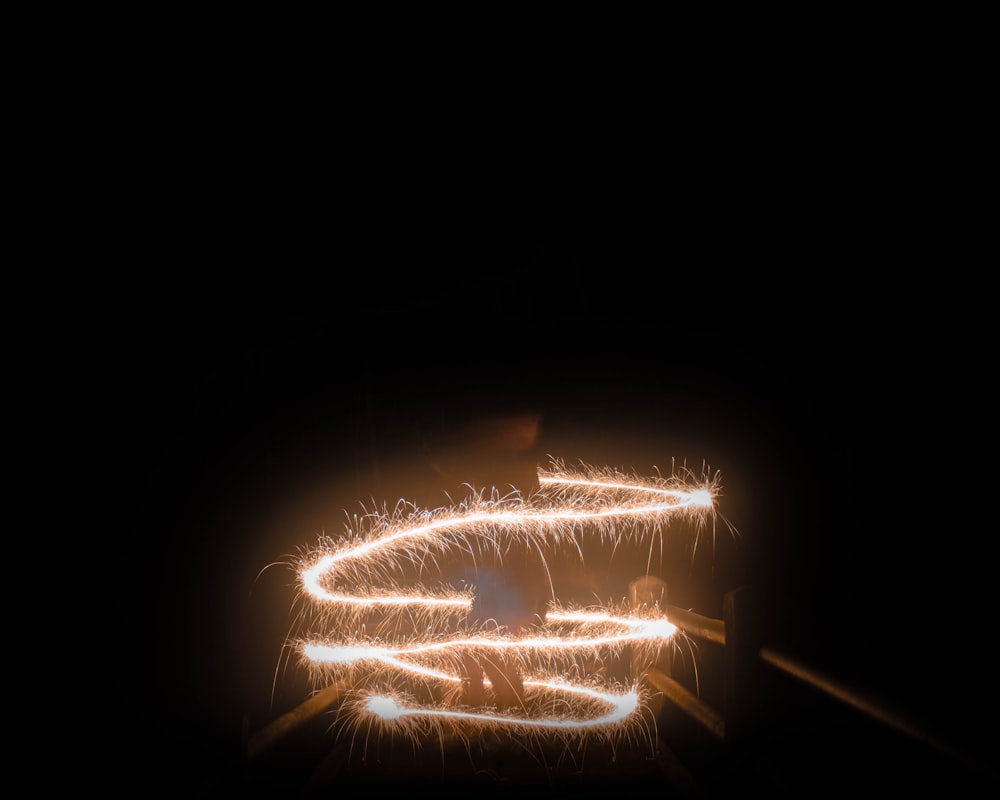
x,y
512,599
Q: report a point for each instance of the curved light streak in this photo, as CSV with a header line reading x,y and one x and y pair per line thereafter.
x,y
567,505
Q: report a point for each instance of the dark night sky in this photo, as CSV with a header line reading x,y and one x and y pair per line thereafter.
x,y
260,407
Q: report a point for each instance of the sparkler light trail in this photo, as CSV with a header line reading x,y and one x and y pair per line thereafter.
x,y
405,647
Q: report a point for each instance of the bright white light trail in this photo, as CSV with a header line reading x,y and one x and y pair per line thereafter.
x,y
423,633
623,706
641,630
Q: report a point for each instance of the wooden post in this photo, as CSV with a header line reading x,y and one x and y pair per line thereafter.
x,y
741,687
649,591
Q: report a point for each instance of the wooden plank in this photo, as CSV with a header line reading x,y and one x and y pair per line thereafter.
x,y
288,722
693,706
851,697
713,630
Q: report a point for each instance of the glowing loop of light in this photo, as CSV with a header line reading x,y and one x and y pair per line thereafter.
x,y
566,501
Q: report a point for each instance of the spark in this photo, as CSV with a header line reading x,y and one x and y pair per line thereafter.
x,y
639,630
622,706
425,632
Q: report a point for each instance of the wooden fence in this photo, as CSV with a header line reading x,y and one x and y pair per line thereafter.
x,y
733,719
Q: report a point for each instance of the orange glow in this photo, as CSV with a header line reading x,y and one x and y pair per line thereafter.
x,y
401,645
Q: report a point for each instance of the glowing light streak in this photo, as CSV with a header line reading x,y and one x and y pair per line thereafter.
x,y
640,630
699,498
556,521
622,707
568,505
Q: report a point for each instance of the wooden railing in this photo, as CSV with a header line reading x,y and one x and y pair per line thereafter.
x,y
732,718
738,635
734,633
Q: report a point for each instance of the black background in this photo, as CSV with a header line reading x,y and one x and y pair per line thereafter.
x,y
330,357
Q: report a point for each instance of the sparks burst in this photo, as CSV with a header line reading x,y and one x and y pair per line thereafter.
x,y
404,647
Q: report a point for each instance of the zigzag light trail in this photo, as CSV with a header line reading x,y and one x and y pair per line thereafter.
x,y
432,632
